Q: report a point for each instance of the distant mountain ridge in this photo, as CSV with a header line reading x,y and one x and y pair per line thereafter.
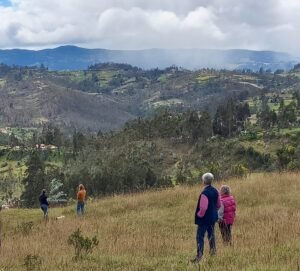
x,y
108,95
77,58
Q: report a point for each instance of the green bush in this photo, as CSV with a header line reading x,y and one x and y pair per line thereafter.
x,y
239,170
32,262
82,245
285,155
256,159
251,135
293,165
215,169
165,181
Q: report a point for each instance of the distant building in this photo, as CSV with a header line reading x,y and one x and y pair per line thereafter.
x,y
46,147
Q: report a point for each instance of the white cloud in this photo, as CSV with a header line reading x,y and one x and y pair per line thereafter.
x,y
137,24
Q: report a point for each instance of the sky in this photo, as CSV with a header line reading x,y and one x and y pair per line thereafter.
x,y
141,24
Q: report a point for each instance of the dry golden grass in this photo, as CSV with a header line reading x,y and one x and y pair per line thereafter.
x,y
155,231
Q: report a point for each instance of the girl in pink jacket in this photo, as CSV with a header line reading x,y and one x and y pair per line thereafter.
x,y
226,213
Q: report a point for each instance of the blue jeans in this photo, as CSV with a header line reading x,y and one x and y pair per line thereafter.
x,y
202,229
80,208
44,208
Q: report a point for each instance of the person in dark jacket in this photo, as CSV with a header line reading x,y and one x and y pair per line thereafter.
x,y
206,215
44,203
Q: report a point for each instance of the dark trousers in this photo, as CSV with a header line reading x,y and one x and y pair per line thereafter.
x,y
202,229
225,232
44,208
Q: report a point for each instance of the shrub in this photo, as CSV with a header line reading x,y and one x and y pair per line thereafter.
x,y
82,245
164,181
251,135
215,169
293,165
256,159
239,170
285,155
4,164
32,262
240,150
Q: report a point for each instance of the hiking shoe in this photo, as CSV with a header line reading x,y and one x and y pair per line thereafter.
x,y
197,259
212,252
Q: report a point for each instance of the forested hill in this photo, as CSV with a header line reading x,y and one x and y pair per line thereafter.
x,y
76,58
105,96
227,123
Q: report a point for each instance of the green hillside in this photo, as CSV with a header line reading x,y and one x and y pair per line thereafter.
x,y
166,149
105,96
179,124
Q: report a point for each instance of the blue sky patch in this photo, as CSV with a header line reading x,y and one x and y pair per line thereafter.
x,y
5,3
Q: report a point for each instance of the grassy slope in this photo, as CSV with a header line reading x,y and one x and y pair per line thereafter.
x,y
155,231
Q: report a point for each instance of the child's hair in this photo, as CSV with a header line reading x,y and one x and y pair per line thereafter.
x,y
225,189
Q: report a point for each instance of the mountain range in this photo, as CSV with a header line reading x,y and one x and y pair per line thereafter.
x,y
76,58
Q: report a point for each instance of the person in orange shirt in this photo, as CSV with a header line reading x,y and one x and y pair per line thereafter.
x,y
81,195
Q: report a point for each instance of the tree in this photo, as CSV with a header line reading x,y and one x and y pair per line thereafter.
x,y
78,142
13,140
34,181
57,137
279,71
205,126
193,126
285,155
266,117
100,133
230,118
220,122
150,178
243,111
47,134
296,95
95,78
225,122
261,70
242,114
34,139
287,115
56,193
297,67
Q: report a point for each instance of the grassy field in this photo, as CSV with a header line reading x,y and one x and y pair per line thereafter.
x,y
155,231
202,78
169,102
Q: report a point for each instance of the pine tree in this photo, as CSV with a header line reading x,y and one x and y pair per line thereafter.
x,y
57,137
205,126
13,140
219,123
34,181
56,191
